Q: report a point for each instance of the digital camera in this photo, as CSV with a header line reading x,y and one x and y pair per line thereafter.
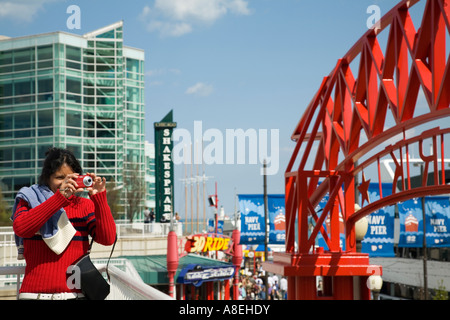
x,y
84,181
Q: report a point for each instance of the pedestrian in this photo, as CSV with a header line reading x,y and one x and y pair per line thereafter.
x,y
275,293
152,215
259,281
269,281
52,225
146,215
242,292
269,293
262,293
283,287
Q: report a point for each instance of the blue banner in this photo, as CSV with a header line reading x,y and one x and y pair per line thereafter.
x,y
437,215
212,226
379,239
438,221
252,219
326,225
277,219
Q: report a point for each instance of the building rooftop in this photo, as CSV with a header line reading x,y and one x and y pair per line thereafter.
x,y
8,43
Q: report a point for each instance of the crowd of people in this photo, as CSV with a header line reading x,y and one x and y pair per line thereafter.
x,y
254,287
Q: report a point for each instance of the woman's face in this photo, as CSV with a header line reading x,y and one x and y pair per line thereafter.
x,y
57,178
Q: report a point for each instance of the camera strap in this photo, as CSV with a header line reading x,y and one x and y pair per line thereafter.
x,y
110,255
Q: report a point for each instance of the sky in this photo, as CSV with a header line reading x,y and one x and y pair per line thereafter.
x,y
224,64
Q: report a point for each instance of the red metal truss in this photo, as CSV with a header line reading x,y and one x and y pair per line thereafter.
x,y
370,99
358,108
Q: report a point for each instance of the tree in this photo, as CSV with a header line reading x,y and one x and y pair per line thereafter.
x,y
113,192
135,190
5,212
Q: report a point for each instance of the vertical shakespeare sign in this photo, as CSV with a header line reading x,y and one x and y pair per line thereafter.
x,y
164,168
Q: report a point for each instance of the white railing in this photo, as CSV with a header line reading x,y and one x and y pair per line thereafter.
x,y
8,247
12,275
125,287
142,230
124,229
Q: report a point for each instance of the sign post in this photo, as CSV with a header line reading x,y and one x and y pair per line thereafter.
x,y
164,168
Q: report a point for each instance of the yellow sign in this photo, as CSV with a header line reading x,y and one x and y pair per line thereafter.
x,y
202,243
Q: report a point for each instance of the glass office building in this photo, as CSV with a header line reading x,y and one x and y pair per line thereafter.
x,y
85,93
150,181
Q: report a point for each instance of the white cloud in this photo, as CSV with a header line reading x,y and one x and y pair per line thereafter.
x,y
21,10
178,17
169,29
200,89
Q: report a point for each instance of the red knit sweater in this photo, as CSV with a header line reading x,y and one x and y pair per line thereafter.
x,y
46,272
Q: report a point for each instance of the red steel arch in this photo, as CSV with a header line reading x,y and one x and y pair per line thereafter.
x,y
368,100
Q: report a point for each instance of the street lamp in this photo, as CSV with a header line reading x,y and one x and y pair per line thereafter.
x,y
361,227
375,282
424,241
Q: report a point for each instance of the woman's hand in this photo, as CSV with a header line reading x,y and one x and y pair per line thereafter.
x,y
69,186
99,184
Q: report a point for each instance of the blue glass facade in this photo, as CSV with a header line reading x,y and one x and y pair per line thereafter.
x,y
85,93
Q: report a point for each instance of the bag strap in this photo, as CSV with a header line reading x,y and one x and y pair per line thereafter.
x,y
90,245
110,255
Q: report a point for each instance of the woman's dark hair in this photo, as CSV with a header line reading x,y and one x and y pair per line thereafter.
x,y
54,159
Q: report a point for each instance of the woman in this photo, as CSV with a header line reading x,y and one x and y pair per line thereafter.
x,y
52,224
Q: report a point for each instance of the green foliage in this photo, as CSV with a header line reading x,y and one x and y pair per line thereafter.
x,y
5,212
441,293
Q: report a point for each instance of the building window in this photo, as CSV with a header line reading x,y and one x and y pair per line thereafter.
x,y
73,58
132,65
24,120
45,119
24,59
73,119
6,59
45,85
24,87
24,157
73,89
45,53
6,89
